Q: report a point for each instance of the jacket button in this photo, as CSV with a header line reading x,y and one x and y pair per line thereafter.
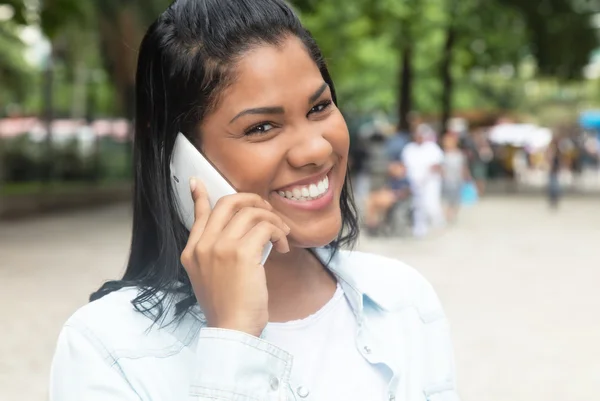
x,y
302,392
274,383
367,349
392,397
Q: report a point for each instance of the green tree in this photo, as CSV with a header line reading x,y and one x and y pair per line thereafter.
x,y
560,33
557,34
477,34
15,74
113,26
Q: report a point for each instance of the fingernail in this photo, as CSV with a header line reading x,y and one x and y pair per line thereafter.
x,y
287,228
193,184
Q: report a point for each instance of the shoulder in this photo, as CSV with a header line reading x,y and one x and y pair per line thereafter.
x,y
410,146
389,282
434,149
114,324
110,310
433,146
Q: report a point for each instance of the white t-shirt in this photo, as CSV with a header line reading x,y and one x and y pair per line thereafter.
x,y
327,364
419,159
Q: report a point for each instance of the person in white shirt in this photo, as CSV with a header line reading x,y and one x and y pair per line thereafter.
x,y
196,315
423,160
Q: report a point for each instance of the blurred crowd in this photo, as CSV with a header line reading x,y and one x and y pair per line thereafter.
x,y
414,182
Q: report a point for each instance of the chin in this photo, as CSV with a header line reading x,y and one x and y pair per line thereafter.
x,y
315,234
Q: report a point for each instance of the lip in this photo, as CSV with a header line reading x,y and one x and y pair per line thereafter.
x,y
308,180
316,204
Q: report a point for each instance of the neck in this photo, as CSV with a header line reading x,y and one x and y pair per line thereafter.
x,y
298,285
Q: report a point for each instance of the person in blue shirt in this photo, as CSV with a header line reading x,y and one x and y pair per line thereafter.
x,y
396,188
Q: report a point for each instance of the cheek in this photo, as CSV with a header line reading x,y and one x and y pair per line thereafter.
x,y
339,137
248,168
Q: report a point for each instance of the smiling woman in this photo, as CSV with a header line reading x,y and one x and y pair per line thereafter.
x,y
196,315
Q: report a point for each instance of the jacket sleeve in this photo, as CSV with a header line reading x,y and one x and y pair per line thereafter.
x,y
239,367
82,371
229,366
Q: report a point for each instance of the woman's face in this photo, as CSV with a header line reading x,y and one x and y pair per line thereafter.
x,y
277,133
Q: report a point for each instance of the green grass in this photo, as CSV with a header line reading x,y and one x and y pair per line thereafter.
x,y
32,188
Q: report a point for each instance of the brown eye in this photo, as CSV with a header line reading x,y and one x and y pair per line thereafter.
x,y
261,128
319,108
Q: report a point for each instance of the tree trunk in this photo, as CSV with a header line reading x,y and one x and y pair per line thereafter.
x,y
47,173
446,75
405,87
80,89
120,35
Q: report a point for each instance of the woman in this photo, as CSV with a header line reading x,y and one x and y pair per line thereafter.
x,y
196,316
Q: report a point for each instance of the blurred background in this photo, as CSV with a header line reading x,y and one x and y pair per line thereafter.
x,y
510,89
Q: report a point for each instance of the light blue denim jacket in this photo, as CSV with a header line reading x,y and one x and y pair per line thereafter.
x,y
109,351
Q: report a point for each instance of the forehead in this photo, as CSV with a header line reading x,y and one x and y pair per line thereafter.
x,y
267,72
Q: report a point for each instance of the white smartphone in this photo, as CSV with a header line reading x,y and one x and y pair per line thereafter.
x,y
188,162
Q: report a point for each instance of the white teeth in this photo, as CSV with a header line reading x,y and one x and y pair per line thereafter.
x,y
306,193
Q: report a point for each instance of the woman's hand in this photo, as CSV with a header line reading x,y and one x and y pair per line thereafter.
x,y
223,254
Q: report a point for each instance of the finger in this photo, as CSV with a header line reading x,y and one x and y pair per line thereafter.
x,y
201,210
248,217
260,235
227,207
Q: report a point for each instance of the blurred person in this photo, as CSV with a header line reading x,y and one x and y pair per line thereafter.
x,y
555,161
479,153
423,160
427,132
484,155
455,171
380,202
358,165
395,145
196,315
377,161
375,170
394,186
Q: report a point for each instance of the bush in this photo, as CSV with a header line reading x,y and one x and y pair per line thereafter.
x,y
20,163
23,160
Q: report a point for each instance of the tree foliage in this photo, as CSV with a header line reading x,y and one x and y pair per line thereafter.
x,y
369,45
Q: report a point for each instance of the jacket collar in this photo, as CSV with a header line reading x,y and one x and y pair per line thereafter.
x,y
365,276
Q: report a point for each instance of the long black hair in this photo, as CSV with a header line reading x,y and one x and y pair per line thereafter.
x,y
185,61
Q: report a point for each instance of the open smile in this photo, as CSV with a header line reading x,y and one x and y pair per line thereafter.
x,y
309,195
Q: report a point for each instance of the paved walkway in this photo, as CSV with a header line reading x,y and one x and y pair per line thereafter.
x,y
520,284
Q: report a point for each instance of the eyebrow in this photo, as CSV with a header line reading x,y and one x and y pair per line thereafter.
x,y
279,110
313,98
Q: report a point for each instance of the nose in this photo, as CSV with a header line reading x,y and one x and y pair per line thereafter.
x,y
312,148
